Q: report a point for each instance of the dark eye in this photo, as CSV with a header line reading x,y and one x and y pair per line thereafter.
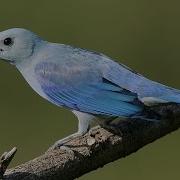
x,y
8,41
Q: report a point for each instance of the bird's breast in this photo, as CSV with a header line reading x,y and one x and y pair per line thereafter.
x,y
30,77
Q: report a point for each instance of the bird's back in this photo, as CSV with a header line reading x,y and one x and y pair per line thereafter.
x,y
118,73
76,65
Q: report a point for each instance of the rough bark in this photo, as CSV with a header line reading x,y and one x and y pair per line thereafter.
x,y
98,148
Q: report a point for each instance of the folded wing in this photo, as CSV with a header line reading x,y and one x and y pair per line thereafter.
x,y
97,96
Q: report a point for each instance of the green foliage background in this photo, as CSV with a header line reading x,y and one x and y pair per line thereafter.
x,y
142,34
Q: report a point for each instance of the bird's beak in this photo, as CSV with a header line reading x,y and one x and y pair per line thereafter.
x,y
8,61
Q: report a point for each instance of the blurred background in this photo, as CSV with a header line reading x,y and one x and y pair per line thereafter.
x,y
144,35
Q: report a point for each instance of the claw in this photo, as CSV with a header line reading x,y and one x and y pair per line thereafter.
x,y
58,144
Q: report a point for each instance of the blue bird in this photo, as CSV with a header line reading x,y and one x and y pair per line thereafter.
x,y
90,84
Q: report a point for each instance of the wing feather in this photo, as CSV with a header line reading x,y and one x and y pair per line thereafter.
x,y
95,97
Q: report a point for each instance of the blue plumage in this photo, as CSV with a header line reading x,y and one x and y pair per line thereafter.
x,y
90,84
100,99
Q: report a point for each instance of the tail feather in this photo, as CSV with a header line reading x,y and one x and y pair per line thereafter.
x,y
172,98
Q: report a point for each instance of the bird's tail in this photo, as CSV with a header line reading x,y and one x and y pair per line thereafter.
x,y
169,96
172,98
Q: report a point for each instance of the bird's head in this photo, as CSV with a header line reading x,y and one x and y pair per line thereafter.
x,y
17,44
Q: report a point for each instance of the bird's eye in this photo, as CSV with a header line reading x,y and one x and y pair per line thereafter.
x,y
8,41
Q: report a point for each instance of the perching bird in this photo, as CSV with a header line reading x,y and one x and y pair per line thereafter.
x,y
89,84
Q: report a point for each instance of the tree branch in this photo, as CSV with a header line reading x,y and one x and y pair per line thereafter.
x,y
5,160
98,148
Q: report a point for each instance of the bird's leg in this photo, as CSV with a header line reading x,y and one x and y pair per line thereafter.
x,y
83,128
102,122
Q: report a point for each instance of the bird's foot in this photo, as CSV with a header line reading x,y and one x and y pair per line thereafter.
x,y
61,144
93,130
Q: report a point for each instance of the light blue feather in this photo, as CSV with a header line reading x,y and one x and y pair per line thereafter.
x,y
93,100
93,83
95,97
